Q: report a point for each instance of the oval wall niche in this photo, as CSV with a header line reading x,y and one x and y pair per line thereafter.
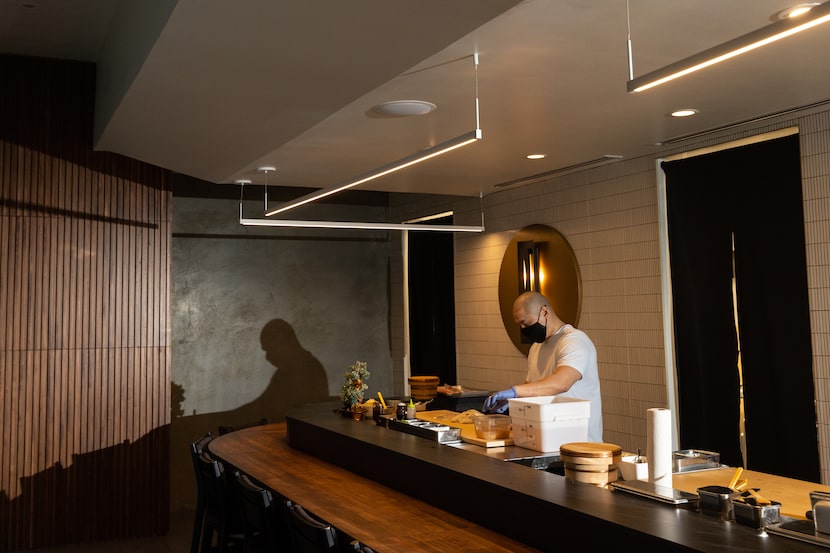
x,y
559,278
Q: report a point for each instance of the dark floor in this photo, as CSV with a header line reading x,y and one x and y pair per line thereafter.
x,y
176,541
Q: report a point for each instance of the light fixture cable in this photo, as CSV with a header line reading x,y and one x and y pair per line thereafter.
x,y
429,153
630,49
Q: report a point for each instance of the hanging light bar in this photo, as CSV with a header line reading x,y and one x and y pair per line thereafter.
x,y
409,161
748,42
358,225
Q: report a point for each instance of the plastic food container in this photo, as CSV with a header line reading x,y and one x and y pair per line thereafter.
x,y
492,427
549,408
547,437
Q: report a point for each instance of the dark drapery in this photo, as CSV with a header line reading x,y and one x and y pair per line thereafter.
x,y
754,192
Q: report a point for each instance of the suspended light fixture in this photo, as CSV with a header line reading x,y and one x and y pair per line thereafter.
x,y
358,225
780,29
409,161
429,153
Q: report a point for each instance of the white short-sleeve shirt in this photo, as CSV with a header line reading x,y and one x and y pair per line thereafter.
x,y
570,347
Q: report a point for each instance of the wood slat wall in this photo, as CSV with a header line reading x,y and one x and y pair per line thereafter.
x,y
84,320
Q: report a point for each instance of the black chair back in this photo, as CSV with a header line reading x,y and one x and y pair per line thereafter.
x,y
196,449
262,528
310,535
222,524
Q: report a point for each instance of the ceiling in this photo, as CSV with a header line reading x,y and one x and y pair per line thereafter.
x,y
215,89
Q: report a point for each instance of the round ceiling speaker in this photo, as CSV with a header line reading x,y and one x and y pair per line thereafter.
x,y
401,108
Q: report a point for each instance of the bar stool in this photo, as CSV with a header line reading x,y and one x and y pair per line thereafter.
x,y
309,534
196,449
361,548
263,531
222,525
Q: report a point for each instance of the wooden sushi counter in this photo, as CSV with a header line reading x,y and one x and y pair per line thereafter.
x,y
513,507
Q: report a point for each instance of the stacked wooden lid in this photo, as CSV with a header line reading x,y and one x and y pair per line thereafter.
x,y
423,388
591,462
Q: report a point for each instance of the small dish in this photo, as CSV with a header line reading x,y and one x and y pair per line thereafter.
x,y
492,427
631,469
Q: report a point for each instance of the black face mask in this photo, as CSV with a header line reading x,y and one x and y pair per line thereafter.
x,y
536,332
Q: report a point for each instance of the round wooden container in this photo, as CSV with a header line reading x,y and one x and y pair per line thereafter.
x,y
591,462
423,388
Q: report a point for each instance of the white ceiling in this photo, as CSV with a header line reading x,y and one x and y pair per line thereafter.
x,y
216,88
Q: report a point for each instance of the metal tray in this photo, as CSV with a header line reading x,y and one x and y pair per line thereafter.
x,y
663,494
801,530
430,430
686,460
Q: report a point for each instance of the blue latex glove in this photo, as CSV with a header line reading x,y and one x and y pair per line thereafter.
x,y
497,401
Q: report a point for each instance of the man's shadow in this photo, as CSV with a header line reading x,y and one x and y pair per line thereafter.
x,y
299,379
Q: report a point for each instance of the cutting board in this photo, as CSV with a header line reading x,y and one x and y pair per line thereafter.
x,y
468,431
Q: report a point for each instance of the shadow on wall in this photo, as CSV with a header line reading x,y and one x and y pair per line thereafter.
x,y
111,493
299,379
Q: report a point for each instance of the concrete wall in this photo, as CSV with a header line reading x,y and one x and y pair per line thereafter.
x,y
264,318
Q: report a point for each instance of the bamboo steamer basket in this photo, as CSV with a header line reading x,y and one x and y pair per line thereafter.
x,y
591,462
423,388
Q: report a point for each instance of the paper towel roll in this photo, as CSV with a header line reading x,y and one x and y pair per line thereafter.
x,y
658,446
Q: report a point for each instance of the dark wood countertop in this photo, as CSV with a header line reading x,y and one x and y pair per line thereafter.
x,y
535,507
383,518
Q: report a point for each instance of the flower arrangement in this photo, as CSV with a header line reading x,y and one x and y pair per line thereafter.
x,y
355,385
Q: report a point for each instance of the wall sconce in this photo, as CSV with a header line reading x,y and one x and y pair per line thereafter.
x,y
530,277
550,268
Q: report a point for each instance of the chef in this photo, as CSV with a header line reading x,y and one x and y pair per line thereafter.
x,y
561,362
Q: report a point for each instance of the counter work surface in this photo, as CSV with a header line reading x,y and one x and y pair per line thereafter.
x,y
380,517
535,507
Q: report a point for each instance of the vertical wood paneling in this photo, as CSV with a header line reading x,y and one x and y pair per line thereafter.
x,y
84,308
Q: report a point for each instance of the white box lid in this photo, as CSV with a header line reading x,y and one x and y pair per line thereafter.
x,y
549,408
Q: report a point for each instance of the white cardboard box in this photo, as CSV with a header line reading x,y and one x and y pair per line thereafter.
x,y
549,436
549,408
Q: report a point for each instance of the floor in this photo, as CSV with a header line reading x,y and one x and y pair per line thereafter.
x,y
176,541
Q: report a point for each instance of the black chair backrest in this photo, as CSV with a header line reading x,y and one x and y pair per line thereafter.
x,y
260,516
310,534
212,473
196,449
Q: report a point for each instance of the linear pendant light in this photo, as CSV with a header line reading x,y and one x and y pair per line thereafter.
x,y
429,153
418,157
358,225
735,47
409,161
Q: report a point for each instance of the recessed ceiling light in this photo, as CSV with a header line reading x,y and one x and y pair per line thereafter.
x,y
401,108
685,112
793,11
536,156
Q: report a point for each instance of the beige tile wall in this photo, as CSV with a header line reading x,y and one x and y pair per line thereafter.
x,y
609,214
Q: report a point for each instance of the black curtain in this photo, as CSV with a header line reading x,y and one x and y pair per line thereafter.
x,y
432,304
753,192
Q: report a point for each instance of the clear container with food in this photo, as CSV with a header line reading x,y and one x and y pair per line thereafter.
x,y
492,427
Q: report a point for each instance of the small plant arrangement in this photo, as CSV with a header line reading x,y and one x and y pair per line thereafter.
x,y
355,385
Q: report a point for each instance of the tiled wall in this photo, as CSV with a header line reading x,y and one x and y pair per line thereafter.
x,y
609,214
815,173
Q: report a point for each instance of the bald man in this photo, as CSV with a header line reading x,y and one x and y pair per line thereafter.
x,y
561,362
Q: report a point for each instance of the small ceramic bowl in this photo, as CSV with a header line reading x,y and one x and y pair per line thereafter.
x,y
631,470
